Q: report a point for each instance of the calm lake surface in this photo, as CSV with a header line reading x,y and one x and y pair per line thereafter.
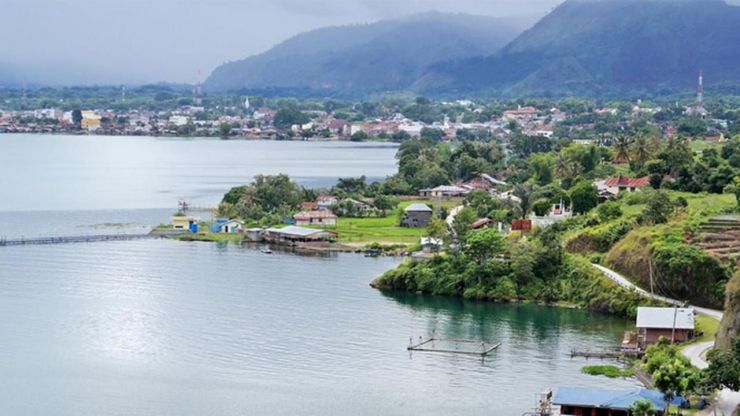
x,y
176,328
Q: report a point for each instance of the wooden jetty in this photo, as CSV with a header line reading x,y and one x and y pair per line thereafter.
x,y
92,238
617,354
455,346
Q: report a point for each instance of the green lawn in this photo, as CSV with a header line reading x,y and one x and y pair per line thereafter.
x,y
381,230
703,145
709,325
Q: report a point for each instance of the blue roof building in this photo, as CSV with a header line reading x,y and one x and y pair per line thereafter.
x,y
578,401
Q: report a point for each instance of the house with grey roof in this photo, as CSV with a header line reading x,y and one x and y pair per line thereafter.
x,y
417,216
653,323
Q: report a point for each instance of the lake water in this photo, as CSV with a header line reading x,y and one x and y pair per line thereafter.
x,y
177,328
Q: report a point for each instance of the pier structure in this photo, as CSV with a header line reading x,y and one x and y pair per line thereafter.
x,y
92,238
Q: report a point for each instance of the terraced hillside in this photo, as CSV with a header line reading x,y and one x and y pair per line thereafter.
x,y
720,237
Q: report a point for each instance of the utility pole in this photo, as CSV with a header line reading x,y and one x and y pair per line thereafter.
x,y
673,330
650,268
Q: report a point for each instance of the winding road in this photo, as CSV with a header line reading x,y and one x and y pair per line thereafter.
x,y
727,401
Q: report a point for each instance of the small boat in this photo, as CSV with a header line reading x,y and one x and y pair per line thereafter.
x,y
267,251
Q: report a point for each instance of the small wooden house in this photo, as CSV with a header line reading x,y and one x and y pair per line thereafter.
x,y
322,218
653,323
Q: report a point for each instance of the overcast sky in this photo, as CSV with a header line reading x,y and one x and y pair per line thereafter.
x,y
137,41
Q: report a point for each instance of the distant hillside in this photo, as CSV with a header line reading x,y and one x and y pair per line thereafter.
x,y
388,55
607,47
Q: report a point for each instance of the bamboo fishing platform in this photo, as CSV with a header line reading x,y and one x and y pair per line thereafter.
x,y
455,346
92,238
606,354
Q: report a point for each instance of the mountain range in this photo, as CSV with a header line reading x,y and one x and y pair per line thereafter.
x,y
607,47
388,55
583,47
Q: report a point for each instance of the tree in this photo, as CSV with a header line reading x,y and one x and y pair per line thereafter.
x,y
359,136
483,244
642,149
659,208
400,136
77,116
584,197
621,149
352,185
672,379
226,210
526,194
385,203
224,129
289,116
642,408
541,207
609,210
461,225
724,368
436,229
234,194
734,188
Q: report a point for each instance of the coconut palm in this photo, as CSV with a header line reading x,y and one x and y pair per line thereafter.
x,y
526,193
560,167
642,149
622,149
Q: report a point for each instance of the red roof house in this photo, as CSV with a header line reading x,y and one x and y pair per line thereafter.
x,y
623,183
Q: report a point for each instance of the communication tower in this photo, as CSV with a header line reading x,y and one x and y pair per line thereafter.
x,y
700,93
123,93
25,93
199,91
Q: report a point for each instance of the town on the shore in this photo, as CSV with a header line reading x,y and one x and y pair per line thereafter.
x,y
581,121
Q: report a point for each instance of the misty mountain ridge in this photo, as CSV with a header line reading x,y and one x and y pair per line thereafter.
x,y
387,55
605,47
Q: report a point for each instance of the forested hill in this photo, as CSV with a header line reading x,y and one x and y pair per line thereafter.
x,y
388,55
607,47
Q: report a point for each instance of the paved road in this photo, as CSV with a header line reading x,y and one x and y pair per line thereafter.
x,y
727,401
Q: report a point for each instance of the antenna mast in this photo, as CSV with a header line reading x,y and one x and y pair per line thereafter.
x,y
25,93
199,92
700,93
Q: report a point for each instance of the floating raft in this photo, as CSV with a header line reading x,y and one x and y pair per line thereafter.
x,y
606,354
455,346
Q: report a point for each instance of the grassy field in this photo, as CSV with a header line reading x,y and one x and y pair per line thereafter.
x,y
703,145
709,325
381,230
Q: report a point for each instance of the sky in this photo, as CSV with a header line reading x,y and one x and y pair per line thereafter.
x,y
145,41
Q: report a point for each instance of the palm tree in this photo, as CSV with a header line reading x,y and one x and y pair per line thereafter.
x,y
574,170
642,149
560,167
526,194
622,149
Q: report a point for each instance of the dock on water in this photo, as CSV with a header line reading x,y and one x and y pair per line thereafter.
x,y
92,238
617,354
454,346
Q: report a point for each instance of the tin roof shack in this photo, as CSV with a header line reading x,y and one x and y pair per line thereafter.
x,y
653,323
315,218
293,234
417,216
578,401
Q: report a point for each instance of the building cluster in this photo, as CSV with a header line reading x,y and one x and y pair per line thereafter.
x,y
258,123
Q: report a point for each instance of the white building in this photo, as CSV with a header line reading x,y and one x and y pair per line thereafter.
x,y
178,120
